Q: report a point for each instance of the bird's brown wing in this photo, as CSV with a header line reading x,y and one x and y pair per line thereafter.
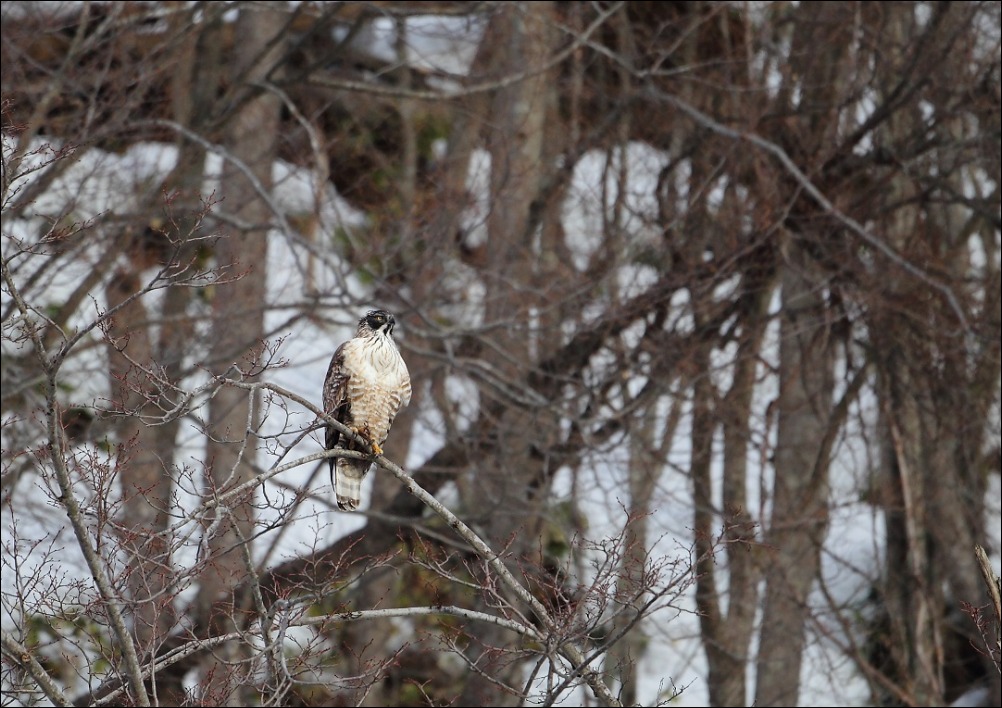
x,y
336,402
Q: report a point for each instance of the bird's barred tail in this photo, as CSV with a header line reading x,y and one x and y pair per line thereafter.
x,y
348,483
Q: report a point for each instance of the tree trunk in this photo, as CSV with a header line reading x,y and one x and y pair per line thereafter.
x,y
238,329
506,503
143,467
799,519
726,635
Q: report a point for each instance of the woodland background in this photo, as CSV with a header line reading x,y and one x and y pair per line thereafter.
x,y
701,301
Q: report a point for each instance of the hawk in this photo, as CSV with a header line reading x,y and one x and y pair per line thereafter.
x,y
367,384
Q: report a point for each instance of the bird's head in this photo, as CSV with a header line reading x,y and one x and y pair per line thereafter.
x,y
378,321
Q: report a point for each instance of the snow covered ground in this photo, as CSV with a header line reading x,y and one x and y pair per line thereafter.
x,y
99,181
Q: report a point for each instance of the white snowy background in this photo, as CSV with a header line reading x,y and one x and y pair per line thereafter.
x,y
102,182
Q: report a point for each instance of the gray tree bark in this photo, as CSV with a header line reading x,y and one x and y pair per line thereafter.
x,y
799,519
504,485
238,330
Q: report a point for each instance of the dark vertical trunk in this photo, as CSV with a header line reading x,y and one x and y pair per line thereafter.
x,y
505,484
799,519
238,329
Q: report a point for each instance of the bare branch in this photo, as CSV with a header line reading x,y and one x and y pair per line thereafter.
x,y
22,656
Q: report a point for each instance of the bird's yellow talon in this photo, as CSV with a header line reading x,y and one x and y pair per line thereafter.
x,y
376,450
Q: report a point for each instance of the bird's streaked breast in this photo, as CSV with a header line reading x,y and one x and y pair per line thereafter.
x,y
379,384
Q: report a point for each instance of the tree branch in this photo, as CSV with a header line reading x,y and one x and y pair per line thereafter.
x,y
20,654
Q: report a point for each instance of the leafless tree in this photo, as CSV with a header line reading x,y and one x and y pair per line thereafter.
x,y
690,292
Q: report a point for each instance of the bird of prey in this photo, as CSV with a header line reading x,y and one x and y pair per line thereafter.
x,y
367,384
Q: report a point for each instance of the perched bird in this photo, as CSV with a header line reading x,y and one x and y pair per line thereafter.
x,y
367,384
